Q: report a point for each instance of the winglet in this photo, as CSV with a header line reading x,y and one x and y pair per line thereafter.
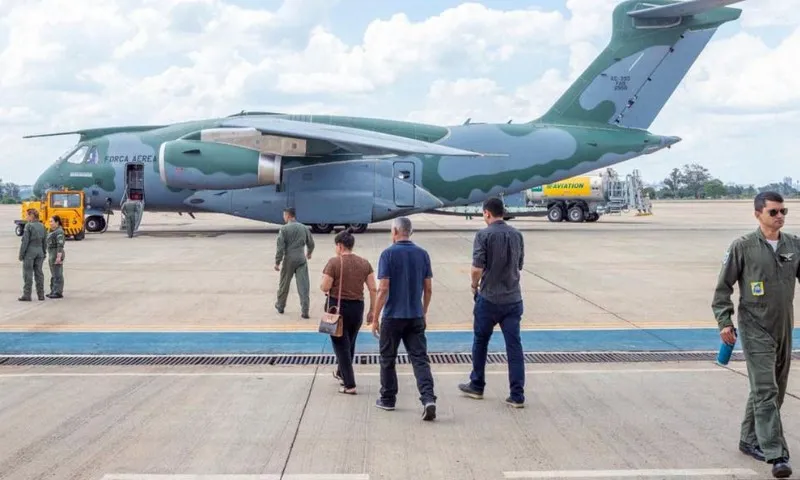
x,y
681,9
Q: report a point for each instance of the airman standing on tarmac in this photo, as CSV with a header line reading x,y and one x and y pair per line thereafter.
x,y
32,255
55,257
292,238
765,264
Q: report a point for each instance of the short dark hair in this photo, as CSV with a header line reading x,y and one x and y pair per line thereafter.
x,y
345,238
57,219
33,212
494,206
761,199
289,211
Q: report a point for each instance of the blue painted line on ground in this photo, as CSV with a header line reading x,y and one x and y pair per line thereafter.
x,y
198,343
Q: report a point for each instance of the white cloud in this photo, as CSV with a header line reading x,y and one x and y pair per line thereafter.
x,y
766,13
742,74
472,33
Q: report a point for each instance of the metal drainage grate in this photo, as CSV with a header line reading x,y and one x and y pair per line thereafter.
x,y
360,359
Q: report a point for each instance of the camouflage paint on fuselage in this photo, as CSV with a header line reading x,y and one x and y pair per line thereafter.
x,y
599,121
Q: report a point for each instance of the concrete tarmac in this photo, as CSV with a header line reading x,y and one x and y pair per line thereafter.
x,y
216,273
580,421
610,282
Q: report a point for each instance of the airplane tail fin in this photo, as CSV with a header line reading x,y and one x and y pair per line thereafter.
x,y
653,45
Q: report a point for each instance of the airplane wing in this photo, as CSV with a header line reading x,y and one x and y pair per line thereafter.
x,y
681,9
353,139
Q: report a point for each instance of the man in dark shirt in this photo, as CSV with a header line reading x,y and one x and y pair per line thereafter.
x,y
497,258
404,294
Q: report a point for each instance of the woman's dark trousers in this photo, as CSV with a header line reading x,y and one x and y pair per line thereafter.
x,y
345,346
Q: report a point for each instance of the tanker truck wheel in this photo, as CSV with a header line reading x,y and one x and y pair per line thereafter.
x,y
555,214
576,214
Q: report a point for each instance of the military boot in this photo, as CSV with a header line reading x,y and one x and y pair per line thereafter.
x,y
781,468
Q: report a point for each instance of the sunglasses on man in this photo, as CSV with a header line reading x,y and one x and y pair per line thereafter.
x,y
774,211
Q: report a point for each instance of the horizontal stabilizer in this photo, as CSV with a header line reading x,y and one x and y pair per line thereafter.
x,y
356,140
681,9
88,133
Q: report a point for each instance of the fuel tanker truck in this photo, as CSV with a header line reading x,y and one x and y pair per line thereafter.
x,y
587,197
578,199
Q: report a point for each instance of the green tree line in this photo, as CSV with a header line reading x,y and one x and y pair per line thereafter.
x,y
694,181
9,193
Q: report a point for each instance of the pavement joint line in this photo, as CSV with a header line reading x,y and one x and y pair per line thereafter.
x,y
743,373
581,297
678,472
302,414
633,325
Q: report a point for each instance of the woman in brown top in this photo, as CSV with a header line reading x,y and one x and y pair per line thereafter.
x,y
357,272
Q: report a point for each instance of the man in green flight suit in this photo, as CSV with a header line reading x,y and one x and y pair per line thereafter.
x,y
32,254
764,263
131,210
292,238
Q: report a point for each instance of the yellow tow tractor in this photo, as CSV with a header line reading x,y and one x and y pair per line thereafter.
x,y
67,204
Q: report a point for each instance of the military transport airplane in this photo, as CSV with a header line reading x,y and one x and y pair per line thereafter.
x,y
338,170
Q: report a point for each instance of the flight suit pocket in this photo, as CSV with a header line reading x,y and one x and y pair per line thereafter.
x,y
788,267
755,337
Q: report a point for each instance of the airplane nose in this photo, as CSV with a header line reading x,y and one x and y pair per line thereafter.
x,y
41,183
38,188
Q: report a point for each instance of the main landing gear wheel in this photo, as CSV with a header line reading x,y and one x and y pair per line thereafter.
x,y
359,227
95,223
321,228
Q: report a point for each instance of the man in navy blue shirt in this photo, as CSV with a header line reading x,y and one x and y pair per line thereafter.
x,y
404,294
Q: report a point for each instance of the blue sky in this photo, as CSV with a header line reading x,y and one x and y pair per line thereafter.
x,y
439,61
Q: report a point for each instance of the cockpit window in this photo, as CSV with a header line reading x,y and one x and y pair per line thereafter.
x,y
79,155
65,200
66,154
92,158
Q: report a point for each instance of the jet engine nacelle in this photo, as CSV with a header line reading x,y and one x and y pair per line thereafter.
x,y
200,165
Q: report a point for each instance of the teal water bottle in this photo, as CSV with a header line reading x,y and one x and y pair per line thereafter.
x,y
726,350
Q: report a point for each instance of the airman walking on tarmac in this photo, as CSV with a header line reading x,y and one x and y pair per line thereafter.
x,y
131,212
55,257
293,237
766,265
32,255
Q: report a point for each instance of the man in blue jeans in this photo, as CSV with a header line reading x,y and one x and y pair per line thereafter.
x,y
404,294
497,257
